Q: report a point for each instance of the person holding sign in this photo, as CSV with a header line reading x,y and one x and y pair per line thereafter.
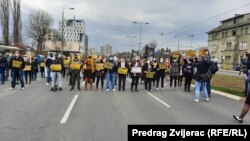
x,y
88,69
110,69
56,68
17,65
42,66
27,71
148,71
75,67
122,73
135,73
174,71
161,69
99,71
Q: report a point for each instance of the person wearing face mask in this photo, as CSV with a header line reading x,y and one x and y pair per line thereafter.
x,y
122,75
34,68
160,73
75,67
56,73
174,72
188,74
154,63
148,67
17,65
99,71
135,74
110,74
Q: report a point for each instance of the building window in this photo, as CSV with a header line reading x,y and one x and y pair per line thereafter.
x,y
227,59
243,45
242,31
229,45
233,32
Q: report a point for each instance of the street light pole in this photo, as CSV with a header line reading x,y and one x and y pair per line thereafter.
x,y
140,23
63,27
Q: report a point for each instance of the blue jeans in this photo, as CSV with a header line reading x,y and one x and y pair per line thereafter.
x,y
33,76
110,77
2,73
198,86
16,73
208,87
48,75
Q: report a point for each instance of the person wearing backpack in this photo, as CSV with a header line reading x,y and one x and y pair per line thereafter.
x,y
201,77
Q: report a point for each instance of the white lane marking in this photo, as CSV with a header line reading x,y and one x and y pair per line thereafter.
x,y
67,113
164,103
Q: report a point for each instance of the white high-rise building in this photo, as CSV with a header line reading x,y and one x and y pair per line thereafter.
x,y
106,50
74,35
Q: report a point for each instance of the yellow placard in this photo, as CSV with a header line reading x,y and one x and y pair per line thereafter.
x,y
123,71
150,74
56,67
99,66
108,65
162,66
42,65
16,64
27,68
75,66
66,62
191,53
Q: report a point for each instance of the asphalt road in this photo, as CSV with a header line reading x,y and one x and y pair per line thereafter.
x,y
36,114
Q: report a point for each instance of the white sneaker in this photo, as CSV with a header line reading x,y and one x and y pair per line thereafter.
x,y
113,90
12,88
23,88
196,100
47,84
207,99
157,89
107,90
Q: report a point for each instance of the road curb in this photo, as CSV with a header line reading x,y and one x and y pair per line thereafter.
x,y
234,97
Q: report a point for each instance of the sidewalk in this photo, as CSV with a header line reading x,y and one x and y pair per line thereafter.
x,y
234,97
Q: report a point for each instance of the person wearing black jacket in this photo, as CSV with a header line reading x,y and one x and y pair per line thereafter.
x,y
17,65
188,74
99,73
122,77
34,68
148,67
201,77
48,62
160,74
3,64
27,72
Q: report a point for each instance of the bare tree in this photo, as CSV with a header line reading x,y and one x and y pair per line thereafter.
x,y
40,23
17,23
4,17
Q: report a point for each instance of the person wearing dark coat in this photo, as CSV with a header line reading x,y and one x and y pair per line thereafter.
x,y
148,67
122,77
135,75
188,74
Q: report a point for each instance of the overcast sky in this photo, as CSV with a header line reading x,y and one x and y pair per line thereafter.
x,y
110,21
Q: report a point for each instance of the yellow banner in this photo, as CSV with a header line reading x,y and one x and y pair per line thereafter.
x,y
108,65
122,71
162,66
56,67
150,74
27,68
16,64
75,66
99,66
42,65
